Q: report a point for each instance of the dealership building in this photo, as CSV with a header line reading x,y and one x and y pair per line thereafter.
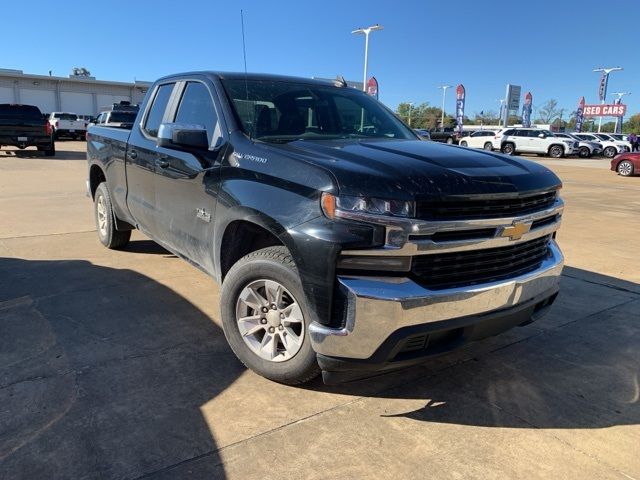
x,y
78,93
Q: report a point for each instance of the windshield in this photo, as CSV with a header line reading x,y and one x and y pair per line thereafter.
x,y
122,117
282,111
66,116
20,111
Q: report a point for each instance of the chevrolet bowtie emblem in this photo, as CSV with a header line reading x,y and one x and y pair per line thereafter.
x,y
516,231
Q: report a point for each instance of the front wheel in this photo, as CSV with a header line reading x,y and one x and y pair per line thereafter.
x,y
556,151
584,152
266,318
105,220
610,152
463,144
488,146
625,168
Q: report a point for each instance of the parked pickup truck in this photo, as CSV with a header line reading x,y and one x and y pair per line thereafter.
x,y
25,126
67,125
343,243
445,135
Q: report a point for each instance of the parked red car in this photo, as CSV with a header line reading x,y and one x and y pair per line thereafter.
x,y
626,164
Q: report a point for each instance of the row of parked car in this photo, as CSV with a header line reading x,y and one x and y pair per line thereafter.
x,y
71,125
515,140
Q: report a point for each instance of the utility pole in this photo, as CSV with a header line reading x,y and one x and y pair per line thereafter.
x,y
603,94
366,32
444,93
410,105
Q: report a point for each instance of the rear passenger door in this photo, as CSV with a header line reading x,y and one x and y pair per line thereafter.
x,y
186,182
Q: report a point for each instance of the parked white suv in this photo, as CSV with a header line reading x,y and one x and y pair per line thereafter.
x,y
586,148
479,139
533,140
611,147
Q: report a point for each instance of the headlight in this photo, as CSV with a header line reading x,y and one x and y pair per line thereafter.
x,y
333,205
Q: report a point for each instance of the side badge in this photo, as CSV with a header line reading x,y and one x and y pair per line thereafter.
x,y
202,214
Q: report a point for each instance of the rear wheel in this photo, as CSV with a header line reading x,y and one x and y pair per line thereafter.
x,y
625,168
508,148
556,151
488,146
50,151
584,152
266,318
450,140
105,220
610,152
463,143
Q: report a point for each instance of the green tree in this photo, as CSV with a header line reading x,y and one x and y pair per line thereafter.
x,y
632,125
423,115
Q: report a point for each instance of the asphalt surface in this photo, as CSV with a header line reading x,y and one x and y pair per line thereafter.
x,y
113,364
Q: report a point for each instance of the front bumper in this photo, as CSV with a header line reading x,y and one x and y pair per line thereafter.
x,y
383,313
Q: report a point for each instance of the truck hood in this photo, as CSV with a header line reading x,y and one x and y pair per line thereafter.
x,y
413,169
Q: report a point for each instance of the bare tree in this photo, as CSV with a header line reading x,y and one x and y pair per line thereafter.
x,y
548,112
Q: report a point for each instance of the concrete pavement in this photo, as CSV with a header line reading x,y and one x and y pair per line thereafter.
x,y
114,365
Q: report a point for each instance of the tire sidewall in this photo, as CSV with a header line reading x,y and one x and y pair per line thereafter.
x,y
584,152
242,274
488,146
556,151
506,147
612,151
102,191
463,144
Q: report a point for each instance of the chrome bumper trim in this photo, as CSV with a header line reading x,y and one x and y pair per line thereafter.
x,y
399,231
381,305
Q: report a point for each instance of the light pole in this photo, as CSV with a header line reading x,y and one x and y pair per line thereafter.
x,y
501,100
410,105
619,119
366,32
606,72
444,93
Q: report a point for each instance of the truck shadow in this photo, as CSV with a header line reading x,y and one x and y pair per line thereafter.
x,y
33,153
577,368
103,372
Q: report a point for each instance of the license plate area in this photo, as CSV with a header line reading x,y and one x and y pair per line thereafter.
x,y
23,139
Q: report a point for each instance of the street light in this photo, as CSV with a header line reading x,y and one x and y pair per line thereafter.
x,y
619,119
411,104
366,32
444,93
606,72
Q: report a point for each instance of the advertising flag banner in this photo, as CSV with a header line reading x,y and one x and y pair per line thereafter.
x,y
580,115
619,119
372,87
460,94
526,110
602,90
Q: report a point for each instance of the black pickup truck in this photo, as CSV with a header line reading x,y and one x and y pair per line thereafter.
x,y
344,244
25,126
444,135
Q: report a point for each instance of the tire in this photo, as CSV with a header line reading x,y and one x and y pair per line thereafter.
x,y
105,220
508,149
488,147
625,168
51,151
248,279
584,152
610,152
450,141
463,144
556,151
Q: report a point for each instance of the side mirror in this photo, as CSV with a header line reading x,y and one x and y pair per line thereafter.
x,y
179,136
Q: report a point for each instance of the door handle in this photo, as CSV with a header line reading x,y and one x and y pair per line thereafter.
x,y
162,163
132,154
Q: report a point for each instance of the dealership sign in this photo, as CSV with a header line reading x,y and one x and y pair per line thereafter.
x,y
605,110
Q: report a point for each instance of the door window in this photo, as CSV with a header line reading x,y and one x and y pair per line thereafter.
x,y
156,112
196,108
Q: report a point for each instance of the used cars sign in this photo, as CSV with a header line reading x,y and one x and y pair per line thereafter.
x,y
605,110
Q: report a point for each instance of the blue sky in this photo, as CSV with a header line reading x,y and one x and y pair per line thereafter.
x,y
548,47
